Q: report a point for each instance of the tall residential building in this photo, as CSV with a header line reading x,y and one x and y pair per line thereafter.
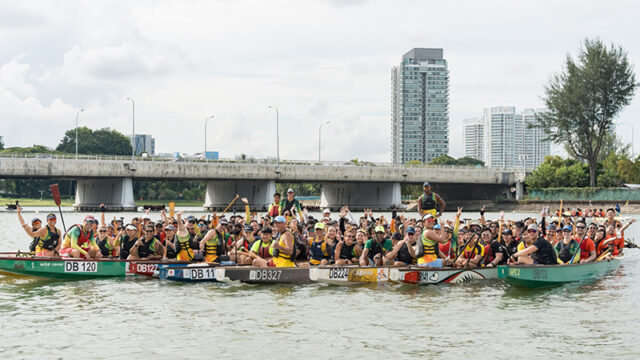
x,y
144,143
420,106
509,142
474,138
535,149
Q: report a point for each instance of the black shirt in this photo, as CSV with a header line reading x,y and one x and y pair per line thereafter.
x,y
497,248
545,255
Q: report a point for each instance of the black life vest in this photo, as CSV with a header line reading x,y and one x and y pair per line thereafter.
x,y
147,248
404,256
428,202
125,246
346,252
171,253
52,239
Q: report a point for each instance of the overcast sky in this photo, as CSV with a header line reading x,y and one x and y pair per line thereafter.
x,y
183,61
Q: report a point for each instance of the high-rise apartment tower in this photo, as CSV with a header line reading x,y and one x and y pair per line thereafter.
x,y
420,106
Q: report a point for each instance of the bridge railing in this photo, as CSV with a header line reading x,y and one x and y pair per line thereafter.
x,y
252,161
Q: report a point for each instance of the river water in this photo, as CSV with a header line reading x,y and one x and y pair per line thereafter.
x,y
144,318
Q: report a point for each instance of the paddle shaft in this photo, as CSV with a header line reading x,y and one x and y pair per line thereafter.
x,y
579,244
55,192
231,203
465,246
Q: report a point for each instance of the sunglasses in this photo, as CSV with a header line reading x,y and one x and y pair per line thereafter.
x,y
532,231
149,230
103,230
580,227
567,231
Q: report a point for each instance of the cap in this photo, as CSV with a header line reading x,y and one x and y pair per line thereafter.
x,y
447,226
280,219
567,227
35,220
474,223
130,227
437,227
427,217
533,227
224,221
551,227
379,229
51,216
326,211
507,232
146,217
426,183
89,218
411,230
290,191
319,225
170,227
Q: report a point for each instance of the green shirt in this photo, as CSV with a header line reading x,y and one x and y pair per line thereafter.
x,y
387,244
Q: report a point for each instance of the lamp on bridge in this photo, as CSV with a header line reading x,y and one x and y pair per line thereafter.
x,y
133,134
77,114
277,135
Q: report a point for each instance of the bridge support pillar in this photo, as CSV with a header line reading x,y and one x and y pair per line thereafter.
x,y
377,196
519,190
116,194
221,192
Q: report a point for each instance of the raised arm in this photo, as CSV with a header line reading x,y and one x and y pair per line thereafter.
x,y
40,232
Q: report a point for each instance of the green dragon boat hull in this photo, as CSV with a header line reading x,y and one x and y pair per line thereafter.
x,y
63,268
535,276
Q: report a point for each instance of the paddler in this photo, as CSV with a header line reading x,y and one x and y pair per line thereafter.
x,y
540,252
46,239
170,242
587,246
109,246
80,242
127,238
347,251
400,255
318,248
285,246
429,202
262,249
375,249
148,247
428,251
185,238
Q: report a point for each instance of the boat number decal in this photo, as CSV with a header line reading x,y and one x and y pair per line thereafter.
x,y
80,266
429,277
514,272
265,274
363,275
146,268
540,274
200,274
338,273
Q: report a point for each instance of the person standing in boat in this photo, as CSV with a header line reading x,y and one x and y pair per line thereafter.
x,y
274,208
430,202
46,240
80,241
540,252
290,204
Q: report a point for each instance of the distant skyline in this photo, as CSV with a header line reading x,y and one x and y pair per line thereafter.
x,y
315,60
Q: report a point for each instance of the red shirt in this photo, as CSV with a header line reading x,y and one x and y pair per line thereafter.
x,y
586,248
445,248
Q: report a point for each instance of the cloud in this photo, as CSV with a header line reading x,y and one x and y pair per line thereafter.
x,y
114,63
13,77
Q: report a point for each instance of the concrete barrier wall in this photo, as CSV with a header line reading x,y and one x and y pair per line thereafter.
x,y
596,194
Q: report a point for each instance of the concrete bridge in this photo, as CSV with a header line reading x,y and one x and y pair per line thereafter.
x,y
109,180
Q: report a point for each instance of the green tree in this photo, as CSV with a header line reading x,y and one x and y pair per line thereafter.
x,y
443,160
469,161
414,162
35,149
584,98
99,142
1,143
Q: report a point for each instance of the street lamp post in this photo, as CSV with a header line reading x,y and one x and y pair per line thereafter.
x,y
77,114
133,134
205,136
320,138
277,135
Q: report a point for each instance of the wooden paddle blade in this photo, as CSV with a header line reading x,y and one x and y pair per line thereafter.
x,y
55,191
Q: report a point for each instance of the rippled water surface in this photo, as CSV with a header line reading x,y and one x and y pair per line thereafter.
x,y
143,318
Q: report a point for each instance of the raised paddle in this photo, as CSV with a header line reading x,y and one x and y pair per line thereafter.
x,y
231,203
475,233
55,192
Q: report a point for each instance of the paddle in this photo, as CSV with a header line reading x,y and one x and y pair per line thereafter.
x,y
231,203
603,255
579,250
475,233
55,191
172,208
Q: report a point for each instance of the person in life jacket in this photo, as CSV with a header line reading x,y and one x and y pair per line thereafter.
x,y
262,249
108,245
274,208
347,251
46,239
80,242
284,247
429,202
400,255
148,247
291,204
